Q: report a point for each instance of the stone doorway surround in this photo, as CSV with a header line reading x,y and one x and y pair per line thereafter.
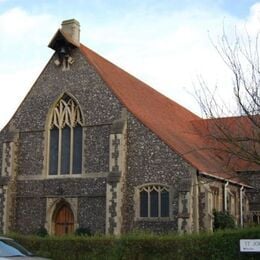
x,y
51,207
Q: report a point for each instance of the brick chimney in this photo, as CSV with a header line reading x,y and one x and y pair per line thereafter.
x,y
72,29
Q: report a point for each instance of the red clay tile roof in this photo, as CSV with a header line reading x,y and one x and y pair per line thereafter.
x,y
233,133
171,122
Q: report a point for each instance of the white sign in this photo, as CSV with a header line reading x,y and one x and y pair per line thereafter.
x,y
249,245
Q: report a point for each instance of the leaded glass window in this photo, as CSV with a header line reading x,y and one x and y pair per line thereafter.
x,y
154,205
54,150
65,138
77,149
165,203
154,201
65,150
143,203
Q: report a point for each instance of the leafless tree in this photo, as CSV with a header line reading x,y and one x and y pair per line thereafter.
x,y
236,138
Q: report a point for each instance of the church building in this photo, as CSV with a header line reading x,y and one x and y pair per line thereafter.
x,y
93,147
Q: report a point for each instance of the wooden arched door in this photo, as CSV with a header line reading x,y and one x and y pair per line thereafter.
x,y
63,220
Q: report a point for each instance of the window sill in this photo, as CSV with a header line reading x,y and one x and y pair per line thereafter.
x,y
64,176
158,219
80,175
67,176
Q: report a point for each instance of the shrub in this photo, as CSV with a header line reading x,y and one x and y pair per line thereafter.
x,y
223,220
41,232
220,245
83,231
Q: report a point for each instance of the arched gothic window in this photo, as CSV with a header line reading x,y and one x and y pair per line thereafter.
x,y
154,201
65,143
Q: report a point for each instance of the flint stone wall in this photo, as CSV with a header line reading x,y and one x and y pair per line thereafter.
x,y
32,197
99,108
253,179
149,160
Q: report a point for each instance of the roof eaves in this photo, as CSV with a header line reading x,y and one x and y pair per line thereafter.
x,y
64,35
226,179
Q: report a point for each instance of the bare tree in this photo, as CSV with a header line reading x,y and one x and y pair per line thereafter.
x,y
235,139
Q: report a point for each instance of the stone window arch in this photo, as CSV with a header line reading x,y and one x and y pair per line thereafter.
x,y
154,201
65,138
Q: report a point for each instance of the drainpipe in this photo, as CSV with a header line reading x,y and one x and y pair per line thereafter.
x,y
225,196
241,206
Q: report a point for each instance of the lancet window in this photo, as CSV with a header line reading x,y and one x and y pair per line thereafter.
x,y
65,138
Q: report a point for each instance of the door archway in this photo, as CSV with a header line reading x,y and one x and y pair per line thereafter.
x,y
63,220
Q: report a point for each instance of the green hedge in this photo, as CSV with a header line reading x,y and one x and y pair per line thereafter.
x,y
219,245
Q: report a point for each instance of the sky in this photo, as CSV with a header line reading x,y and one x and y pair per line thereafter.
x,y
168,43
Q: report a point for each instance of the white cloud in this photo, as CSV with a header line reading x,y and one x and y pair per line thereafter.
x,y
23,54
253,21
166,50
15,86
170,51
17,23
